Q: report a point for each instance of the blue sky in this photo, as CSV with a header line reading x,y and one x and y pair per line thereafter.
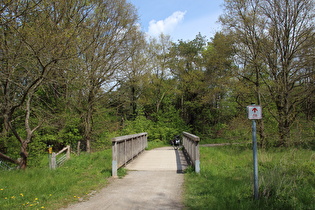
x,y
181,19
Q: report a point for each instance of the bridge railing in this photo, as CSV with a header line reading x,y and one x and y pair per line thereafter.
x,y
125,148
191,146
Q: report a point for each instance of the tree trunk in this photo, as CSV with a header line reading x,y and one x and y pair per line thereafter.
x,y
284,130
88,130
78,148
24,156
89,120
261,127
7,158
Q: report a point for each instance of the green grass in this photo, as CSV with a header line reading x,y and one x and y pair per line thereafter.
x,y
286,179
37,188
41,188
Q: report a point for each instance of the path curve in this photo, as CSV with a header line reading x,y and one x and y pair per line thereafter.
x,y
154,181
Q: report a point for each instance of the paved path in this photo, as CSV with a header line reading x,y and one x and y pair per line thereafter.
x,y
154,181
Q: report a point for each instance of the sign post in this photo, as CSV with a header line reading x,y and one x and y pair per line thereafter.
x,y
255,113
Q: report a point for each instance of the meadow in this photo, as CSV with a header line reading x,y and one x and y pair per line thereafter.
x,y
286,179
41,188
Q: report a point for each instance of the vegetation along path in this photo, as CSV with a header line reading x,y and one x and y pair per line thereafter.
x,y
154,181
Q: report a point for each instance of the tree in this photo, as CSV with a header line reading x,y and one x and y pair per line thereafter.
x,y
218,65
248,26
115,38
281,34
36,36
291,29
160,85
186,66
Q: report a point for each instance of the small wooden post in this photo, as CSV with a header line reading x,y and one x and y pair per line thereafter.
x,y
114,157
49,155
53,161
68,152
78,147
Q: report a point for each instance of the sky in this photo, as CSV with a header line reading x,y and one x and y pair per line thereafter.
x,y
181,19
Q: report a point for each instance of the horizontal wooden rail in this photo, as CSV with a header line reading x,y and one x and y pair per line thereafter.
x,y
125,148
56,161
191,146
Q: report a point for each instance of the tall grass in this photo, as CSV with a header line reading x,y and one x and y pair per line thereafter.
x,y
41,188
286,178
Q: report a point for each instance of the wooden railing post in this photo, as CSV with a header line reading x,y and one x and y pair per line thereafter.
x,y
197,157
114,159
191,146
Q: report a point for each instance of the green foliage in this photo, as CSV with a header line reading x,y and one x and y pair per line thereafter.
x,y
62,130
139,125
286,179
166,125
105,127
239,129
37,188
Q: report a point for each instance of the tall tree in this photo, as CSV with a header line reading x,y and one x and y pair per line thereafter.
x,y
35,37
159,88
115,38
218,64
248,26
282,33
186,66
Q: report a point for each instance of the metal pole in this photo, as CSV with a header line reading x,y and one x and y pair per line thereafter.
x,y
255,160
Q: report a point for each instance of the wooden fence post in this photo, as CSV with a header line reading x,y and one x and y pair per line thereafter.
x,y
114,157
68,152
53,162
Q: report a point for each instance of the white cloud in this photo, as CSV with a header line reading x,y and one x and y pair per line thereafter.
x,y
206,25
167,25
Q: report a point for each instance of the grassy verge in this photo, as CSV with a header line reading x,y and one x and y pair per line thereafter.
x,y
286,178
41,188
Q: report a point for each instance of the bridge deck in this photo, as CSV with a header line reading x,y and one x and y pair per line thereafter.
x,y
160,159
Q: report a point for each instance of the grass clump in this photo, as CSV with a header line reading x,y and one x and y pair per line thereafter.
x,y
42,188
286,179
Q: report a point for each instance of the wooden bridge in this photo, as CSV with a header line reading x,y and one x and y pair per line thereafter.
x,y
127,148
155,177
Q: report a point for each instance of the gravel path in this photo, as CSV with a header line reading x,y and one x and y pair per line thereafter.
x,y
155,181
